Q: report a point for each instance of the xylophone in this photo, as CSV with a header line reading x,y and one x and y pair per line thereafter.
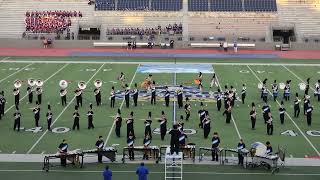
x,y
243,152
75,157
152,151
109,152
205,150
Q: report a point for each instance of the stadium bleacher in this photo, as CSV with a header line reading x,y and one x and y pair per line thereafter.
x,y
105,5
198,5
133,5
258,5
226,5
166,5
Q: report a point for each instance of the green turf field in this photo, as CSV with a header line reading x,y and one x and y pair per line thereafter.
x,y
234,74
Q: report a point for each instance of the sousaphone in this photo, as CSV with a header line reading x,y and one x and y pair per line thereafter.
x,y
82,85
302,86
282,85
63,84
39,83
97,83
17,83
31,82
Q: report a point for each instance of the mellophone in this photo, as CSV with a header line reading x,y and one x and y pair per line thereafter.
x,y
152,151
76,157
187,150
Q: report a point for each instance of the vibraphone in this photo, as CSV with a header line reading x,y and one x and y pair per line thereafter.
x,y
243,152
188,150
152,151
76,157
205,150
109,152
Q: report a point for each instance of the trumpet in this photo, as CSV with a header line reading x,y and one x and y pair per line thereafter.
x,y
63,84
39,83
82,85
31,82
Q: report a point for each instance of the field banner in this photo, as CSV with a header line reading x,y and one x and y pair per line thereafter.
x,y
175,68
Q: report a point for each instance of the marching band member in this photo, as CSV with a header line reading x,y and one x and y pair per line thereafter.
x,y
282,111
306,101
63,150
130,127
99,146
16,93
122,79
306,91
63,96
275,90
97,94
286,94
130,143
232,96
253,116
135,95
153,93
219,97
187,109
147,124
241,145
146,143
214,80
270,124
226,95
49,117
90,117
112,97
30,93
265,111
78,93
309,114
163,125
17,118
318,89
227,112
180,123
206,127
202,114
39,91
127,95
167,96
243,93
215,141
2,103
174,141
36,112
180,96
264,89
76,118
200,77
118,120
296,106
269,148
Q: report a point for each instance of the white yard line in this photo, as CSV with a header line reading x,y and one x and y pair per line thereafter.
x,y
43,82
296,76
301,132
233,121
40,138
160,172
15,72
114,123
5,58
169,62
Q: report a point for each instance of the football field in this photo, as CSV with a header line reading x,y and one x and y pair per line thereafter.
x,y
304,143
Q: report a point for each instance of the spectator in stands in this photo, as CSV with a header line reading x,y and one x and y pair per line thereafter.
x,y
225,46
107,174
45,43
221,46
235,47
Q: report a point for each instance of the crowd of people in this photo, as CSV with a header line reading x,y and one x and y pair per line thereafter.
x,y
172,29
49,21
